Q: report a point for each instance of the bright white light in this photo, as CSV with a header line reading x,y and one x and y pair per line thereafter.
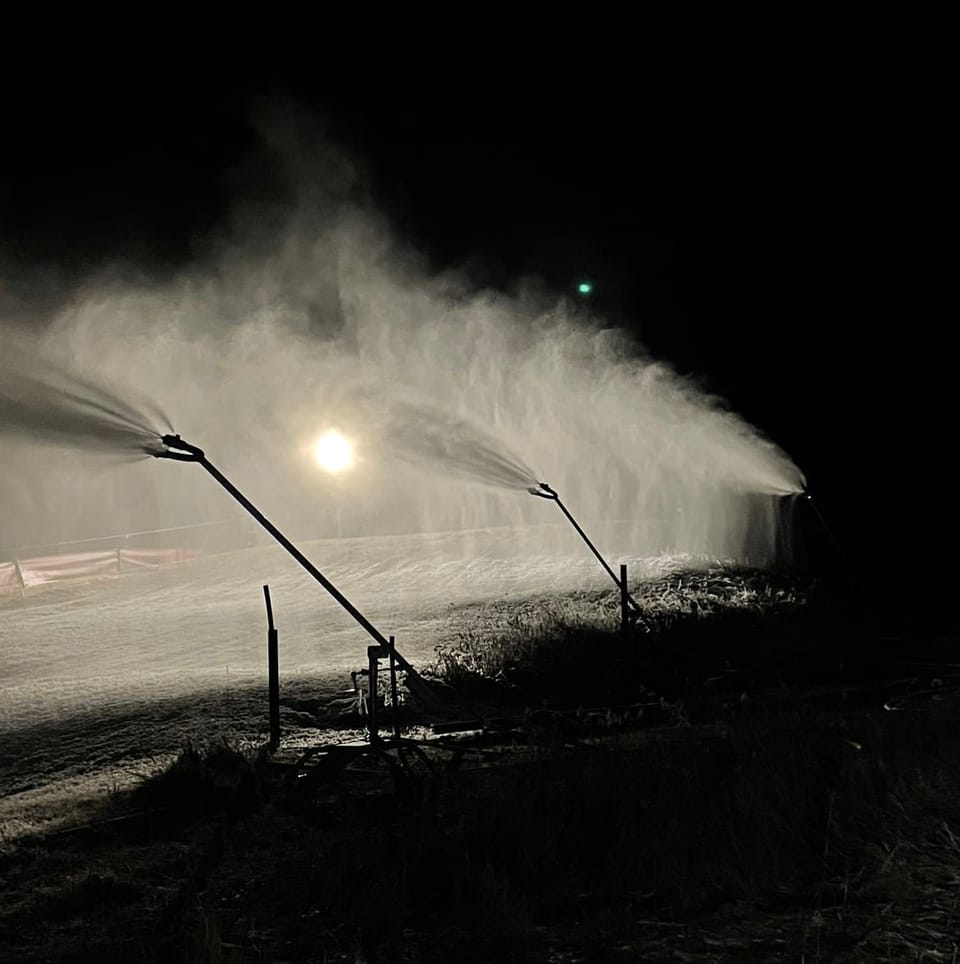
x,y
333,452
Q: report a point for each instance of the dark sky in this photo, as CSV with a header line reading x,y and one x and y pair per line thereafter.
x,y
773,233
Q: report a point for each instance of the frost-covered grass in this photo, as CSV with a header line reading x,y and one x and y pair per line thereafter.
x,y
575,632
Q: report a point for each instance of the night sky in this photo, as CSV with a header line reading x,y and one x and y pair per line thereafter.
x,y
772,232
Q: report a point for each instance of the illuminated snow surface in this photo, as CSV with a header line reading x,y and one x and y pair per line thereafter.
x,y
112,677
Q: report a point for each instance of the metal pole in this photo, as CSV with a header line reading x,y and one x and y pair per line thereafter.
x,y
393,688
627,602
373,655
294,551
603,562
273,674
624,600
586,539
181,451
414,680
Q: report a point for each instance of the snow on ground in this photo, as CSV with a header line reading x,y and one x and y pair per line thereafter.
x,y
103,676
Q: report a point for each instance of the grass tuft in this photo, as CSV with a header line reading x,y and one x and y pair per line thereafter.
x,y
220,778
572,648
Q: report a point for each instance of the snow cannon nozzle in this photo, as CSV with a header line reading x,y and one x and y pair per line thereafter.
x,y
177,449
543,491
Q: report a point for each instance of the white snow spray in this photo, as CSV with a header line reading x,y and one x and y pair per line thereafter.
x,y
44,403
322,320
421,434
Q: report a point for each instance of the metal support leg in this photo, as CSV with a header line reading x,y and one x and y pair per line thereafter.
x,y
393,689
373,654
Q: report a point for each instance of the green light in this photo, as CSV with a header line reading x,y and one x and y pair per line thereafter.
x,y
584,287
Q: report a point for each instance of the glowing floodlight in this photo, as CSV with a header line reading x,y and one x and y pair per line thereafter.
x,y
333,452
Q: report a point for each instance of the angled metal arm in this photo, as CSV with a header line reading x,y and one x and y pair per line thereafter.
x,y
182,451
545,492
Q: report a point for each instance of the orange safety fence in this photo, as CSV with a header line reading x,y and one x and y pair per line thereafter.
x,y
9,578
68,567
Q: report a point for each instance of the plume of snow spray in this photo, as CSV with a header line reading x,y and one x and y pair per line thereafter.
x,y
42,402
417,433
321,319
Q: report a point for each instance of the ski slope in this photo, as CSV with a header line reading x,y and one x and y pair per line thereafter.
x,y
107,673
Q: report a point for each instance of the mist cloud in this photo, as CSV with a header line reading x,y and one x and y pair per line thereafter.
x,y
305,312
